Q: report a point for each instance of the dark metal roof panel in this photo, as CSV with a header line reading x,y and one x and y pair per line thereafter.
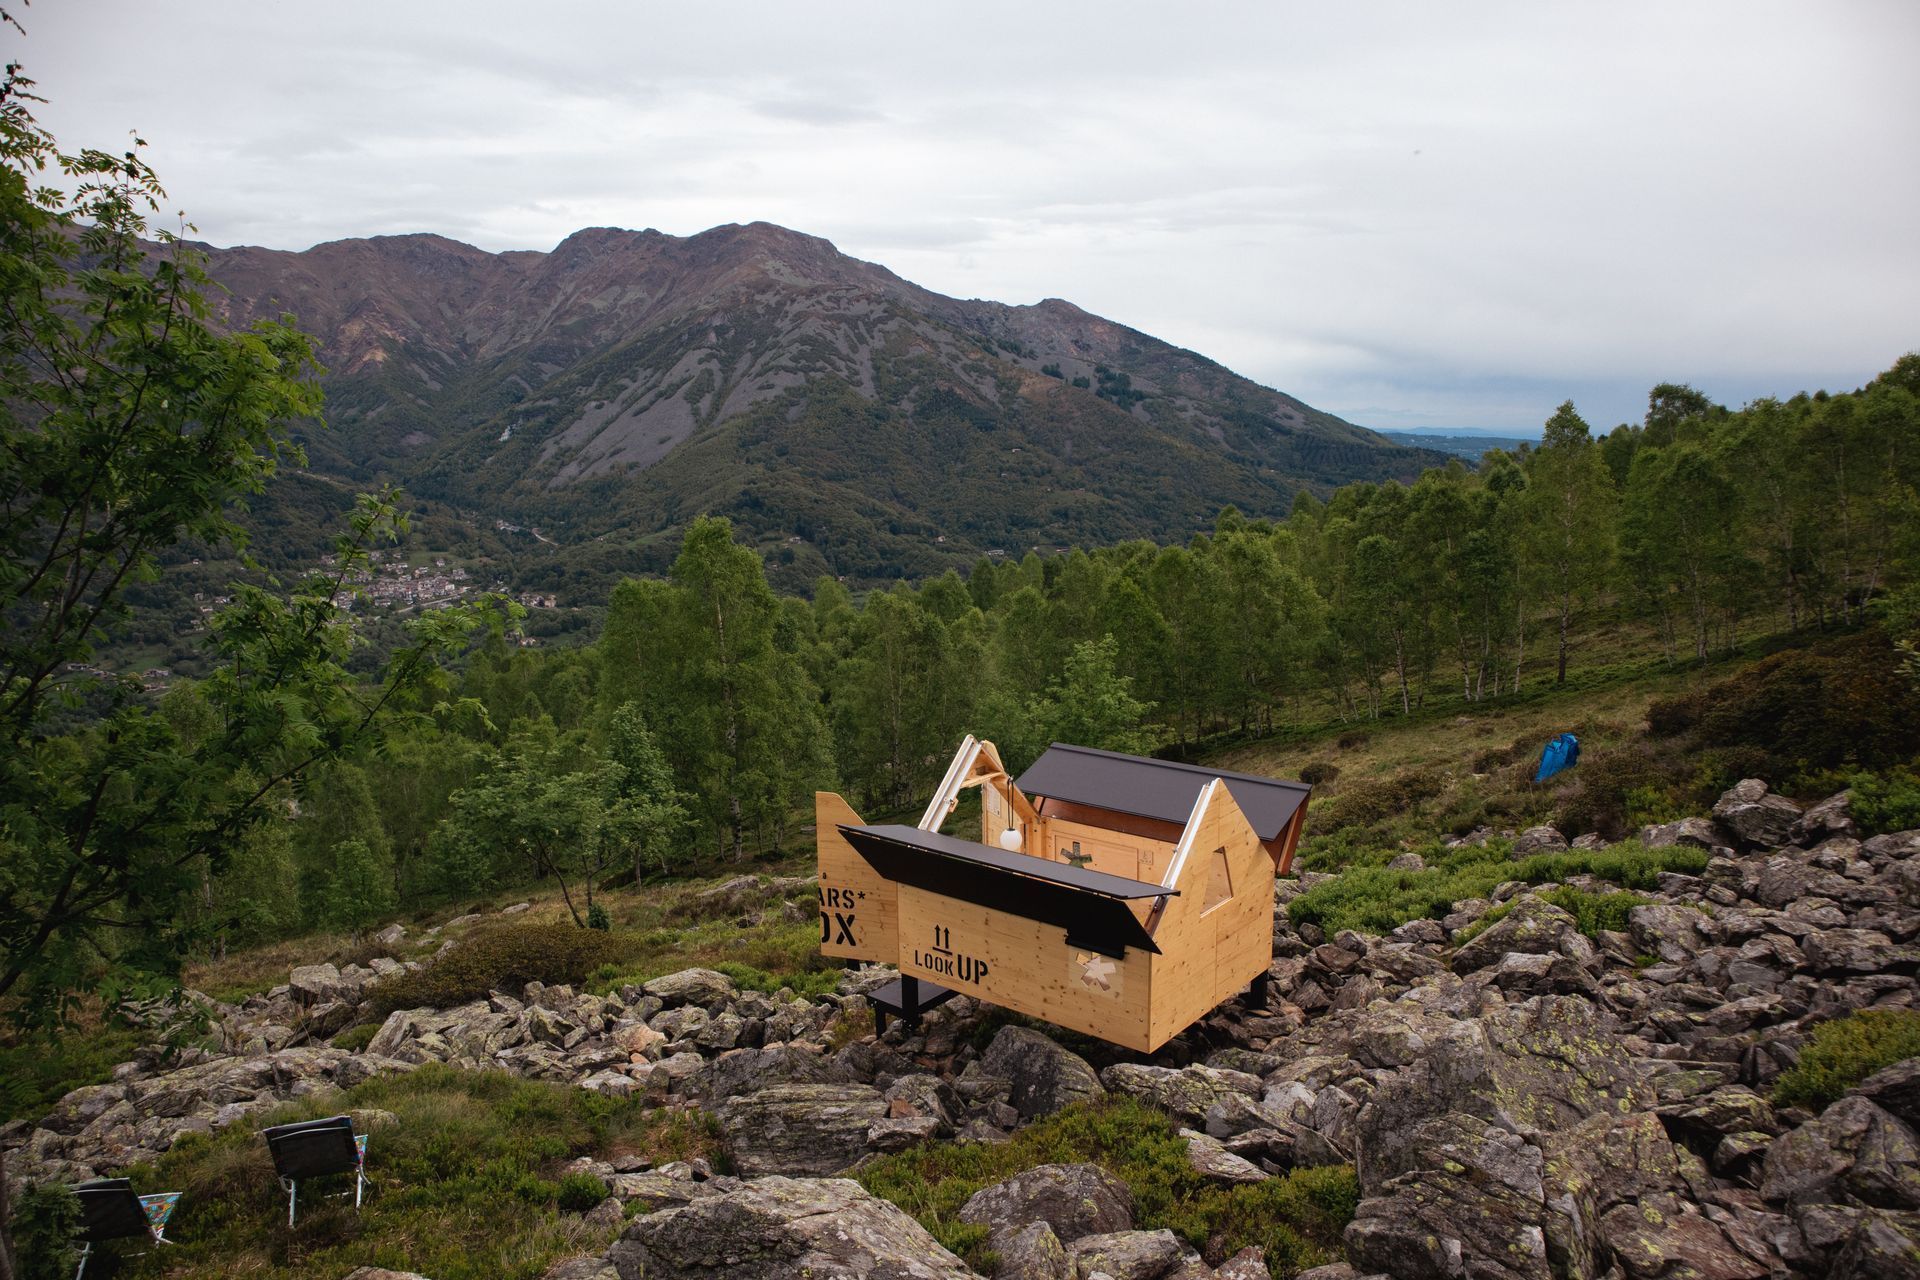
x,y
1089,905
1160,789
1065,873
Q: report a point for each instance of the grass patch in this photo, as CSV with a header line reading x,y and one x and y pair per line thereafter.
x,y
1846,1051
465,1186
811,983
1375,899
1297,1219
1591,911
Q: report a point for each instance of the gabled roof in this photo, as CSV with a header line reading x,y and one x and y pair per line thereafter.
x,y
1159,789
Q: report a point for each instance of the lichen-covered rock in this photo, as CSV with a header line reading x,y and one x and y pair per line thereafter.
x,y
315,983
1534,1069
1075,1200
1831,817
1125,1255
1477,1198
799,1128
1031,1252
1187,1093
1853,1151
691,986
779,1228
1698,833
1215,1163
1044,1077
1757,818
1538,840
1533,926
1896,1089
1882,1246
1664,1238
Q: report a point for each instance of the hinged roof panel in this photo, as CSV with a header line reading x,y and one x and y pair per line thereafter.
x,y
1159,789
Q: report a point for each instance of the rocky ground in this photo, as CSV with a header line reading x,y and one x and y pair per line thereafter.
x,y
1520,1100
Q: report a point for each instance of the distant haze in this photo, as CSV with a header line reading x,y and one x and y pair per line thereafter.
x,y
1415,216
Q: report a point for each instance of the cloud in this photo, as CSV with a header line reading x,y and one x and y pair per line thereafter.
x,y
1403,214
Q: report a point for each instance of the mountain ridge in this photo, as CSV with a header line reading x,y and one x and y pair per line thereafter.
x,y
624,381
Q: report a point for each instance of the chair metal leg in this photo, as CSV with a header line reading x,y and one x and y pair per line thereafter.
x,y
359,1182
85,1253
293,1195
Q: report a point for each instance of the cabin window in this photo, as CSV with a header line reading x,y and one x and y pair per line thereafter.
x,y
1219,882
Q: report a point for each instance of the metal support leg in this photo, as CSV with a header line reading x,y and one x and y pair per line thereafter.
x,y
85,1253
359,1182
910,1001
293,1195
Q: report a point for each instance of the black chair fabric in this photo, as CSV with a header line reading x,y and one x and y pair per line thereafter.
x,y
109,1210
313,1148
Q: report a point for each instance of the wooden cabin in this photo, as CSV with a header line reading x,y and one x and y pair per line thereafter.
x,y
1116,895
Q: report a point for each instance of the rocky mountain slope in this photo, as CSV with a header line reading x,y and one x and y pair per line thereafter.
x,y
1521,1099
627,380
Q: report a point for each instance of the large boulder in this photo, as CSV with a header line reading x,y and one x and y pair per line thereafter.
x,y
1186,1093
1538,840
1476,1208
1853,1151
1532,1069
1757,818
315,984
691,986
1032,1252
1074,1199
1044,1077
1881,1246
799,1128
1895,1088
1532,926
1125,1255
779,1228
1663,1237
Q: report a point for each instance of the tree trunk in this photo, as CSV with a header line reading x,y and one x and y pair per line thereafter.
x,y
1566,614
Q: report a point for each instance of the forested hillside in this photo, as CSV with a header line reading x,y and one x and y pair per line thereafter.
x,y
1583,560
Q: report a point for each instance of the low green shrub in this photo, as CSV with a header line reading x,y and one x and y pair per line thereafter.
x,y
1884,802
1844,701
1846,1051
354,1039
46,1230
1317,773
1374,899
580,1192
1595,911
812,982
1297,1219
1380,799
503,957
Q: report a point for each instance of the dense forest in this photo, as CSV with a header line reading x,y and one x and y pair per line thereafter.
x,y
709,706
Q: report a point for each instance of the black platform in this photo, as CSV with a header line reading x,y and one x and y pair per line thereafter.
x,y
906,998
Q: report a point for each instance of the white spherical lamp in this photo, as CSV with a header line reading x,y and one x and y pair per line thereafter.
x,y
1010,840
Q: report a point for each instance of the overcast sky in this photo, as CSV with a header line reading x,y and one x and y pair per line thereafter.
x,y
1418,215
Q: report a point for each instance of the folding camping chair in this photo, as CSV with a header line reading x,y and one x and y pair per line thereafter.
x,y
314,1149
109,1210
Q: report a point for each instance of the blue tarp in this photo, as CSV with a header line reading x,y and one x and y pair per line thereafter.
x,y
1561,752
